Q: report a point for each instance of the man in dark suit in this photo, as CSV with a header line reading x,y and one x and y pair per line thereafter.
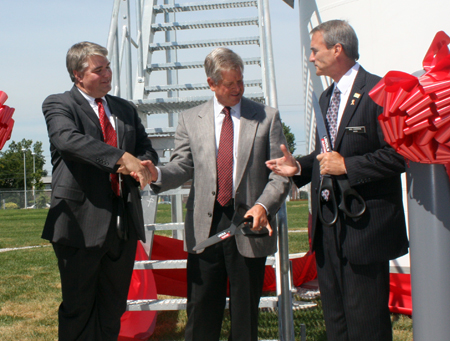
x,y
93,137
246,134
352,255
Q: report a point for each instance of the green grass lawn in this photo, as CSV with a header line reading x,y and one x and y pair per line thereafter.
x,y
21,227
30,288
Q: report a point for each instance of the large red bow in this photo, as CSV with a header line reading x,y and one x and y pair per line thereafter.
x,y
416,111
6,121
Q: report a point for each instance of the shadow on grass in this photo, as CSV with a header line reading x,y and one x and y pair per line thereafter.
x,y
169,326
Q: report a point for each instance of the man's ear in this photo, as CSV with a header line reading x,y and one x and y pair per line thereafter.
x,y
338,49
211,84
78,76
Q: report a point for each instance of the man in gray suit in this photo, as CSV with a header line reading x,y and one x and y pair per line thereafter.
x,y
200,147
94,136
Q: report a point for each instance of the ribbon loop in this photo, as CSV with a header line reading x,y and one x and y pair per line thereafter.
x,y
415,119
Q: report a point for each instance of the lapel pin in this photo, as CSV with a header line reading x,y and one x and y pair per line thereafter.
x,y
353,102
356,95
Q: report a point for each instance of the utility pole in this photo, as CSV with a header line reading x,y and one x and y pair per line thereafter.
x,y
24,150
34,178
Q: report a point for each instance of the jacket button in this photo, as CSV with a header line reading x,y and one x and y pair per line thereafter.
x,y
213,193
209,214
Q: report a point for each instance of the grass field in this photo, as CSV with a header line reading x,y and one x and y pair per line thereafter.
x,y
30,288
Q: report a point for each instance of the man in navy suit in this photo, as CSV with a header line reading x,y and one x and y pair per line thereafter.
x,y
94,136
353,254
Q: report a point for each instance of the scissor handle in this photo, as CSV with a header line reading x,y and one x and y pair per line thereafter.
x,y
327,184
346,192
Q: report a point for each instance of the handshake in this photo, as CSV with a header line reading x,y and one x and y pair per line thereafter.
x,y
143,172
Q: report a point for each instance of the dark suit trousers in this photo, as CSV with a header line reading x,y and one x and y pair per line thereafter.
x,y
354,297
94,284
207,275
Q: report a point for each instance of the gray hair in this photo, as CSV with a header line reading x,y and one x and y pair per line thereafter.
x,y
339,32
78,55
222,59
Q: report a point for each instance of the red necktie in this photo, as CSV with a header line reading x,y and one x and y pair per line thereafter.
x,y
225,160
110,137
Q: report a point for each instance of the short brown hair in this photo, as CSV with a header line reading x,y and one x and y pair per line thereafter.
x,y
339,32
222,59
78,54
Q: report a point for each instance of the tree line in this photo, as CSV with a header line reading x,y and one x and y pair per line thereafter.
x,y
12,165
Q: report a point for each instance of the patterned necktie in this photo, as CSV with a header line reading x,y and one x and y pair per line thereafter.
x,y
332,115
225,160
110,137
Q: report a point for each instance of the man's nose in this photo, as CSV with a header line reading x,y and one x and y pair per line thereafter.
x,y
106,73
234,86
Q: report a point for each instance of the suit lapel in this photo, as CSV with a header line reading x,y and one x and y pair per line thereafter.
x,y
324,103
85,107
205,130
356,94
247,132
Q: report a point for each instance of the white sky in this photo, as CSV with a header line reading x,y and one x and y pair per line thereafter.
x,y
35,37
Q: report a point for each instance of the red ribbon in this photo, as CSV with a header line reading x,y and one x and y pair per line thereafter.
x,y
416,111
6,121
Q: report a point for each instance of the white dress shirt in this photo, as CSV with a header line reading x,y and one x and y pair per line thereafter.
x,y
345,85
94,106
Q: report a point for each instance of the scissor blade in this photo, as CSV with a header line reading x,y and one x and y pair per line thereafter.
x,y
218,237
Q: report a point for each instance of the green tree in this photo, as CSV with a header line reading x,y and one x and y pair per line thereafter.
x,y
290,138
12,168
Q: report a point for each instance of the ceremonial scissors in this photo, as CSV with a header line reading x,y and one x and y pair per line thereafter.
x,y
239,225
327,181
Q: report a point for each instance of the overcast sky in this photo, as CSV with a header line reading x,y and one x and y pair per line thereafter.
x,y
35,37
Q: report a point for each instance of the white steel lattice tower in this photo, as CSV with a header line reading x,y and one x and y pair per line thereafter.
x,y
164,75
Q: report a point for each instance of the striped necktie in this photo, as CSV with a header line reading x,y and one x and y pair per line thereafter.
x,y
332,115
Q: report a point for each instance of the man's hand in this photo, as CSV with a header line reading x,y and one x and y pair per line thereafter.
x,y
331,163
260,220
285,166
130,164
152,168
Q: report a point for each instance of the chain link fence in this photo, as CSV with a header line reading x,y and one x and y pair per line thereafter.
x,y
41,198
16,199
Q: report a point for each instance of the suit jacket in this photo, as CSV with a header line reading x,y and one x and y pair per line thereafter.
x,y
82,198
373,169
194,157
